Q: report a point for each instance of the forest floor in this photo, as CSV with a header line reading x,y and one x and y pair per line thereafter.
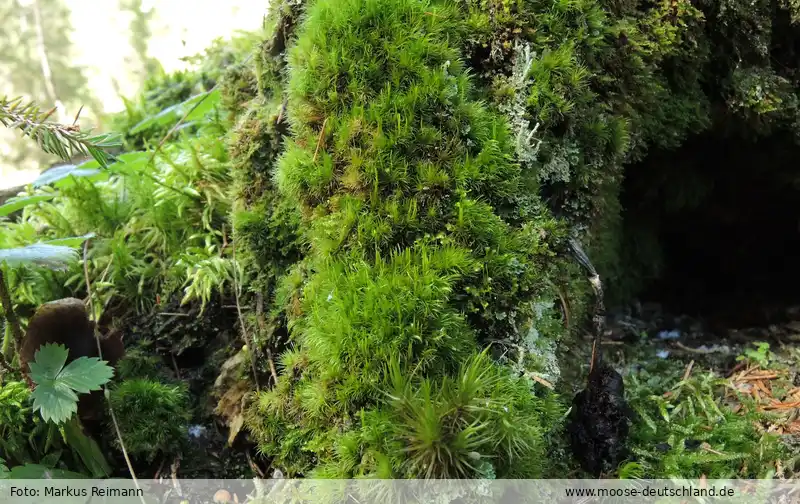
x,y
760,364
757,363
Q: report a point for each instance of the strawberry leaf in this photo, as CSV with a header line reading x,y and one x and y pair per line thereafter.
x,y
48,361
86,374
57,387
55,401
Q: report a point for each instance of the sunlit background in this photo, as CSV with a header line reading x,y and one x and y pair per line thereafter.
x,y
101,36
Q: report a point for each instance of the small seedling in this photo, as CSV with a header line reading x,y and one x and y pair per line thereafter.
x,y
760,355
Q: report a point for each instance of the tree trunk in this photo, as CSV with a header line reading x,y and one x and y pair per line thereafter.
x,y
61,112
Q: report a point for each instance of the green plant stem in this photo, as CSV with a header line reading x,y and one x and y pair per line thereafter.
x,y
164,140
241,318
11,316
100,354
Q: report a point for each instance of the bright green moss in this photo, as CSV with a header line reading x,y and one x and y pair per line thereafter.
x,y
153,417
426,241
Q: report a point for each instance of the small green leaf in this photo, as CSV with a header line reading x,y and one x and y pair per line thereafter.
x,y
48,362
86,374
18,204
37,471
55,395
129,163
55,257
72,241
203,103
61,172
106,140
209,102
55,401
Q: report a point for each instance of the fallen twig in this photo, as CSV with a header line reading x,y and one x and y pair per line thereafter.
x,y
781,406
758,377
253,465
688,372
702,351
738,367
541,380
272,369
707,447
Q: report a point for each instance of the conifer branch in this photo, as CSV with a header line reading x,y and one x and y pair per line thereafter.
x,y
64,141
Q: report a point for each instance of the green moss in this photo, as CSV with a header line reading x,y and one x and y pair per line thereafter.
x,y
426,242
138,363
591,87
411,214
685,430
153,417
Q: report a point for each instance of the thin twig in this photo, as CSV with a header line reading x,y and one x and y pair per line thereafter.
x,y
319,140
253,465
540,380
702,351
100,354
176,484
262,327
77,116
688,372
175,365
272,370
241,317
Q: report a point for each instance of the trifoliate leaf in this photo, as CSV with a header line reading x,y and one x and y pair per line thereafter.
x,y
48,363
85,374
55,400
57,386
